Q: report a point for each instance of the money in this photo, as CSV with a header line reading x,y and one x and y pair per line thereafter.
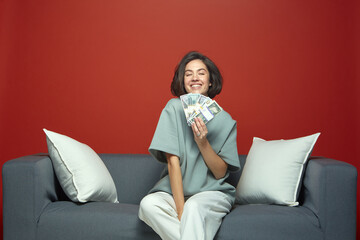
x,y
196,105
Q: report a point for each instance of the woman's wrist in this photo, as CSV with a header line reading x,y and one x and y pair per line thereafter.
x,y
202,144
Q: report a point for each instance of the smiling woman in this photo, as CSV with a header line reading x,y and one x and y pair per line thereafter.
x,y
196,78
196,73
192,197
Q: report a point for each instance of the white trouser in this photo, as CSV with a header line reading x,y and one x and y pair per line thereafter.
x,y
201,218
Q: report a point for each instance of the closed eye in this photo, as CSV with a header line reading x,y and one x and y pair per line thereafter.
x,y
202,72
188,73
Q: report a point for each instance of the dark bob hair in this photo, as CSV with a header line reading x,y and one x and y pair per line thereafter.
x,y
215,78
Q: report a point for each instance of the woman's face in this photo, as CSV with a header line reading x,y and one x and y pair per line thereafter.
x,y
196,77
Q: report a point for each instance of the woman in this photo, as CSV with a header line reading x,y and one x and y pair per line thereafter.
x,y
192,196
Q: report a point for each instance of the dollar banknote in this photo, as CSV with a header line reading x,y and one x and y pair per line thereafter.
x,y
199,106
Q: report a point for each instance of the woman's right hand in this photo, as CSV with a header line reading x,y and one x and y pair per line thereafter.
x,y
180,214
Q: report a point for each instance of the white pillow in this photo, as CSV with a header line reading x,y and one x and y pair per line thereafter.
x,y
80,171
273,171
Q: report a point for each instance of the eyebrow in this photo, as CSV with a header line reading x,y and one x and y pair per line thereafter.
x,y
200,69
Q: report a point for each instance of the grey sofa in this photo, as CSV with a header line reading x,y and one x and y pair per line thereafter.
x,y
35,207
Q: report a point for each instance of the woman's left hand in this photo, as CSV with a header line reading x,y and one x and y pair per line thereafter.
x,y
200,130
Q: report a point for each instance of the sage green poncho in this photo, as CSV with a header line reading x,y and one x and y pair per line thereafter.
x,y
174,136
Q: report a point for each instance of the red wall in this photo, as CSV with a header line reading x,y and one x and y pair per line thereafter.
x,y
100,71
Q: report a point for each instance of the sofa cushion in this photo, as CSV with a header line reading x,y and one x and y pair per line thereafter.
x,y
258,222
64,220
273,171
80,171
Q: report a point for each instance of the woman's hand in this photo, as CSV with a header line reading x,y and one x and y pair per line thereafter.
x,y
215,163
179,212
200,131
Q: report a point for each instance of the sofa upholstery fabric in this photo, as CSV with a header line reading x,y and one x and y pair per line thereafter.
x,y
35,207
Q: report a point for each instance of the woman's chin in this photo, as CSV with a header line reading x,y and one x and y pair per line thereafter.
x,y
195,91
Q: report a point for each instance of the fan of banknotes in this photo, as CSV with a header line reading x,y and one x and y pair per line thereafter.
x,y
199,106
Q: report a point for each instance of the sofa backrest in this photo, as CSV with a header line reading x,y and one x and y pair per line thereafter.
x,y
135,174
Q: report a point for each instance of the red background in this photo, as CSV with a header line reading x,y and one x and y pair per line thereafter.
x,y
100,70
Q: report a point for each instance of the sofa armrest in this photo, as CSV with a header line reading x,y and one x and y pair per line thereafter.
x,y
330,192
29,185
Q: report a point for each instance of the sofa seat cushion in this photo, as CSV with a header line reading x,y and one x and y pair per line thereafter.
x,y
270,222
65,220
